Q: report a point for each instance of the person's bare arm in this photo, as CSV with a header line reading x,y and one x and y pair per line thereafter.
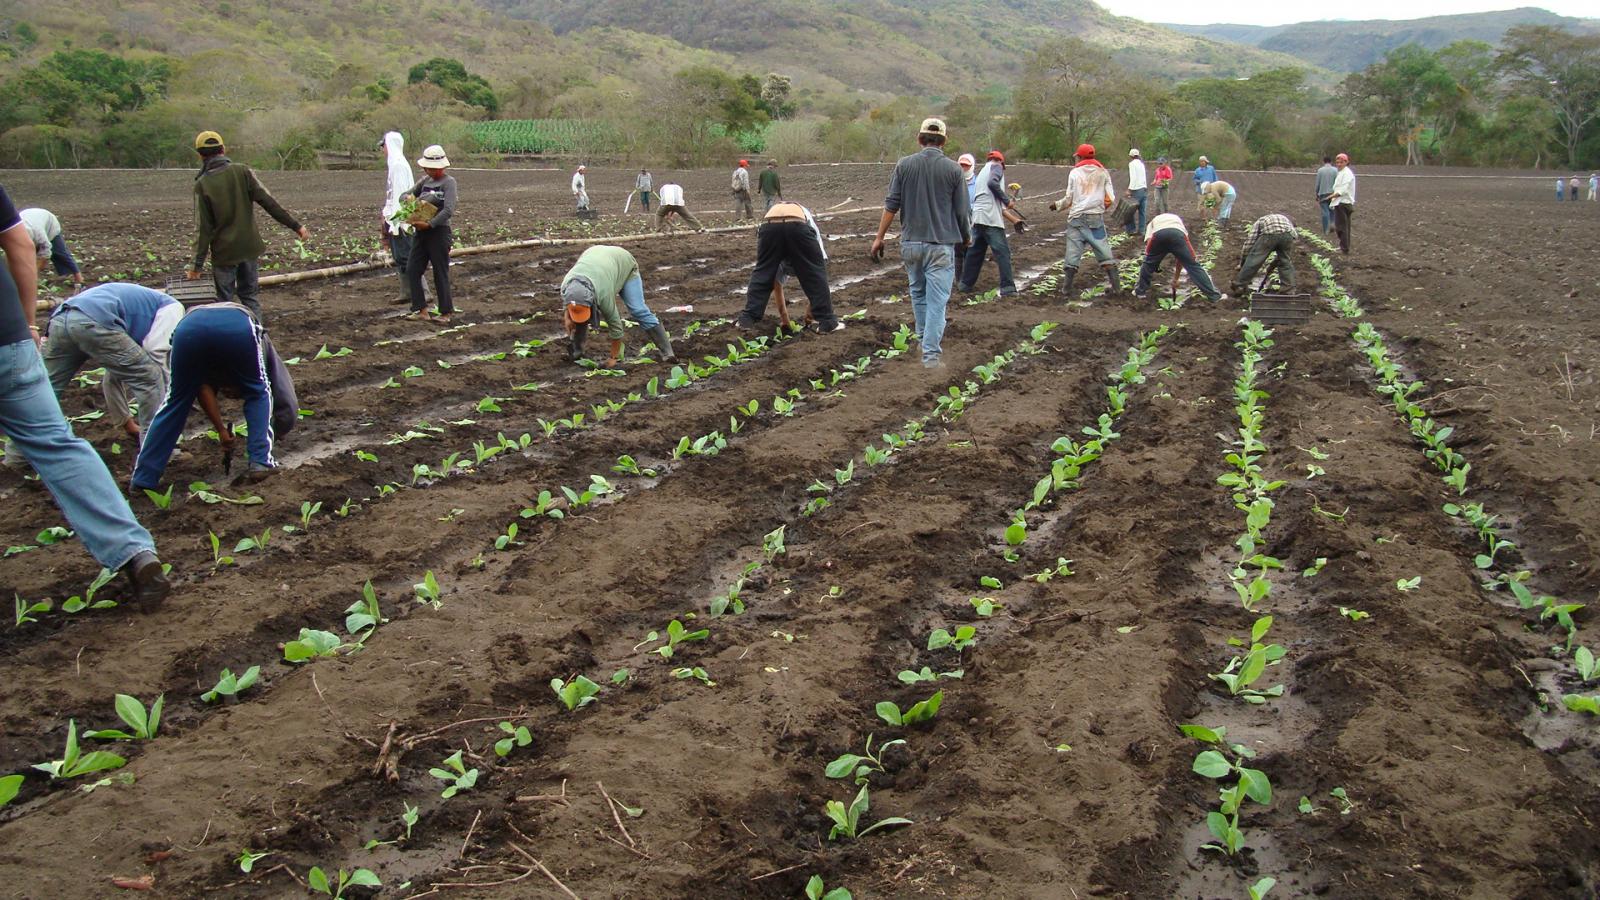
x,y
24,268
884,222
213,411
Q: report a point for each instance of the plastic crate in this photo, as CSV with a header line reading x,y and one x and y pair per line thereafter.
x,y
198,292
1281,309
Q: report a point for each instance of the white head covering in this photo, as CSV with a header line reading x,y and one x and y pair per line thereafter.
x,y
399,178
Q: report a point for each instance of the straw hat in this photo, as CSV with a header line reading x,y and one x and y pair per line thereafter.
x,y
434,158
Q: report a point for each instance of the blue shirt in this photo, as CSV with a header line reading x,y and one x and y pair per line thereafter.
x,y
1204,175
128,308
13,327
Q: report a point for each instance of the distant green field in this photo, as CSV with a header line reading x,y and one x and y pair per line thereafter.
x,y
573,136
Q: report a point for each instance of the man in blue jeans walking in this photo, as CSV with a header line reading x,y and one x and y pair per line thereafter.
x,y
71,470
1324,189
929,193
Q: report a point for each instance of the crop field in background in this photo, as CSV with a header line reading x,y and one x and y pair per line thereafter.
x,y
1136,598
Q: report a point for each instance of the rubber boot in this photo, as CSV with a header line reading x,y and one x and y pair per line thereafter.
x,y
575,347
658,334
1068,275
1113,282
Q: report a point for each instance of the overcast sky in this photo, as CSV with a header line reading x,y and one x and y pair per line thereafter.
x,y
1259,12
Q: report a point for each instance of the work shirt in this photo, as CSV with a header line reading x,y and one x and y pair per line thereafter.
x,y
671,194
1325,178
1089,191
397,181
43,227
642,183
1273,223
1218,189
789,210
1204,175
1136,176
990,195
1344,188
929,192
13,327
1163,174
441,192
769,183
225,197
606,269
1162,223
578,182
741,179
137,311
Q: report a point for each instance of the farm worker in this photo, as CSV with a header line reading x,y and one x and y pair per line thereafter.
x,y
127,329
642,184
1572,194
1325,177
671,198
1343,200
1594,184
1272,234
1089,195
989,228
1561,189
580,188
967,163
397,236
1204,174
49,243
929,193
592,285
29,412
1218,196
771,190
225,195
1166,236
1162,181
741,190
221,347
790,238
1138,188
431,246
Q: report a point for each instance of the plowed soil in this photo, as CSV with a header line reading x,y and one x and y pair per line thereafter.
x,y
1055,767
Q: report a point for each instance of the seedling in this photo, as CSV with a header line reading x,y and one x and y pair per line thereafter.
x,y
26,610
455,774
318,880
1354,615
963,637
75,604
1242,671
1017,531
73,763
730,600
696,673
544,505
218,560
1252,784
427,590
990,582
1408,584
985,606
518,736
312,644
55,534
772,543
677,634
1315,568
1063,566
1345,803
248,860
229,686
408,818
861,765
364,613
161,500
1260,888
927,674
845,475
1588,668
508,539
248,544
620,676
580,691
144,722
627,466
814,891
847,820
921,711
1581,704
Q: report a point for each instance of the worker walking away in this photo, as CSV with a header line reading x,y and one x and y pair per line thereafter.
x,y
225,196
397,237
741,191
591,288
968,171
1138,190
989,227
580,188
1217,199
671,197
1561,189
1572,194
643,184
220,348
771,189
127,330
929,193
1271,235
70,469
1162,181
49,243
1343,200
431,246
1594,185
1089,195
790,237
1324,189
1166,236
1204,174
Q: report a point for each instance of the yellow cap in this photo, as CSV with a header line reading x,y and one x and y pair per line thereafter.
x,y
207,140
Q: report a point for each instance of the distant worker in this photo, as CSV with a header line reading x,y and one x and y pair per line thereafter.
x,y
671,198
1166,236
1162,181
49,243
220,348
642,184
1561,189
1572,194
1204,174
1089,195
989,227
741,190
71,470
1324,189
1271,235
601,276
580,188
968,171
127,330
929,194
431,246
397,236
790,238
771,188
1343,200
1138,189
1217,199
1594,184
225,196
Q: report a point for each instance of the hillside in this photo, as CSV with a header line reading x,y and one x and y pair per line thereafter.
x,y
1352,46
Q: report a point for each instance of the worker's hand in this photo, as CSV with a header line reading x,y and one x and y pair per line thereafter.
x,y
131,426
1052,206
876,253
192,275
422,226
611,363
304,232
38,337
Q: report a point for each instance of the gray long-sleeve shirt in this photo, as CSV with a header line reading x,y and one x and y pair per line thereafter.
x,y
441,192
930,194
1325,177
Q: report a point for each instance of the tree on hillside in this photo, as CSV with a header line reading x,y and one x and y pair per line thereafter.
x,y
689,108
1073,86
1561,67
1401,95
775,90
1253,108
69,83
455,80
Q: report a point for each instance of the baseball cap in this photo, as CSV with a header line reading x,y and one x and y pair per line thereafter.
x,y
207,140
933,126
1086,151
966,160
1343,156
579,296
996,155
744,163
1134,152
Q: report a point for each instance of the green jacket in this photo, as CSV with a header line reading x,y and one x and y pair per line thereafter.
x,y
608,269
769,183
224,213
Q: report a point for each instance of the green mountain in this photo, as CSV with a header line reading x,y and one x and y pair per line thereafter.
x,y
1342,46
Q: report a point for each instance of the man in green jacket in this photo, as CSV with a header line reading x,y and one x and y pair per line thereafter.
x,y
591,288
225,223
770,189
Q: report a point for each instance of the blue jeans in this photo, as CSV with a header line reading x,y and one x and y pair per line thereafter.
x,y
632,294
61,258
1226,209
1087,232
1140,197
1327,215
68,466
931,270
644,198
988,237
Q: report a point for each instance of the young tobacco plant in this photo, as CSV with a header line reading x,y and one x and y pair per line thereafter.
x,y
318,881
74,763
364,613
144,723
964,637
816,890
1243,671
229,686
455,774
921,711
312,644
517,736
863,764
1248,784
579,691
847,819
677,634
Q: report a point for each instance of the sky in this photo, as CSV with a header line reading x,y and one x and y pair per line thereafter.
x,y
1260,12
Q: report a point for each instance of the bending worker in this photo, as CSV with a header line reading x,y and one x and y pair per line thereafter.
x,y
790,237
49,243
1272,234
221,347
1166,236
1218,196
592,285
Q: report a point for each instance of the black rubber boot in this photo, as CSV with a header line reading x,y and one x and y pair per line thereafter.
x,y
663,342
1113,282
147,580
575,347
1068,276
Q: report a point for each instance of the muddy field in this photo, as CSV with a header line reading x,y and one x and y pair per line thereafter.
x,y
1428,739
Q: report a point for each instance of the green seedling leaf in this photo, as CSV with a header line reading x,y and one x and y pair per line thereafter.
x,y
9,786
990,582
1408,584
1581,704
519,736
248,860
580,691
229,686
1354,615
311,644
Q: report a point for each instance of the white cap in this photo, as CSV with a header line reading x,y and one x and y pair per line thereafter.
x,y
933,126
966,159
1134,152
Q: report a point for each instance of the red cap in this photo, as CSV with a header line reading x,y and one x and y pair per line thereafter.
x,y
1085,151
996,154
744,163
1342,157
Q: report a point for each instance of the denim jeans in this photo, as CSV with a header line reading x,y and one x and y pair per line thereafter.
x,y
1140,197
68,466
1159,203
1226,209
931,270
1327,215
1087,232
239,283
988,237
400,251
644,198
76,339
632,294
63,263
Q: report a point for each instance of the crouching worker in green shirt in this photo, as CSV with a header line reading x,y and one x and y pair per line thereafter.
x,y
591,288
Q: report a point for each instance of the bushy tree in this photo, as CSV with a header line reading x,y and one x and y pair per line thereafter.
x,y
1562,68
455,80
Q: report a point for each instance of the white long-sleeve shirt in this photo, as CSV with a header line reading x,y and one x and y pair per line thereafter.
x,y
397,181
671,194
1089,191
1136,179
741,179
1344,187
577,183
